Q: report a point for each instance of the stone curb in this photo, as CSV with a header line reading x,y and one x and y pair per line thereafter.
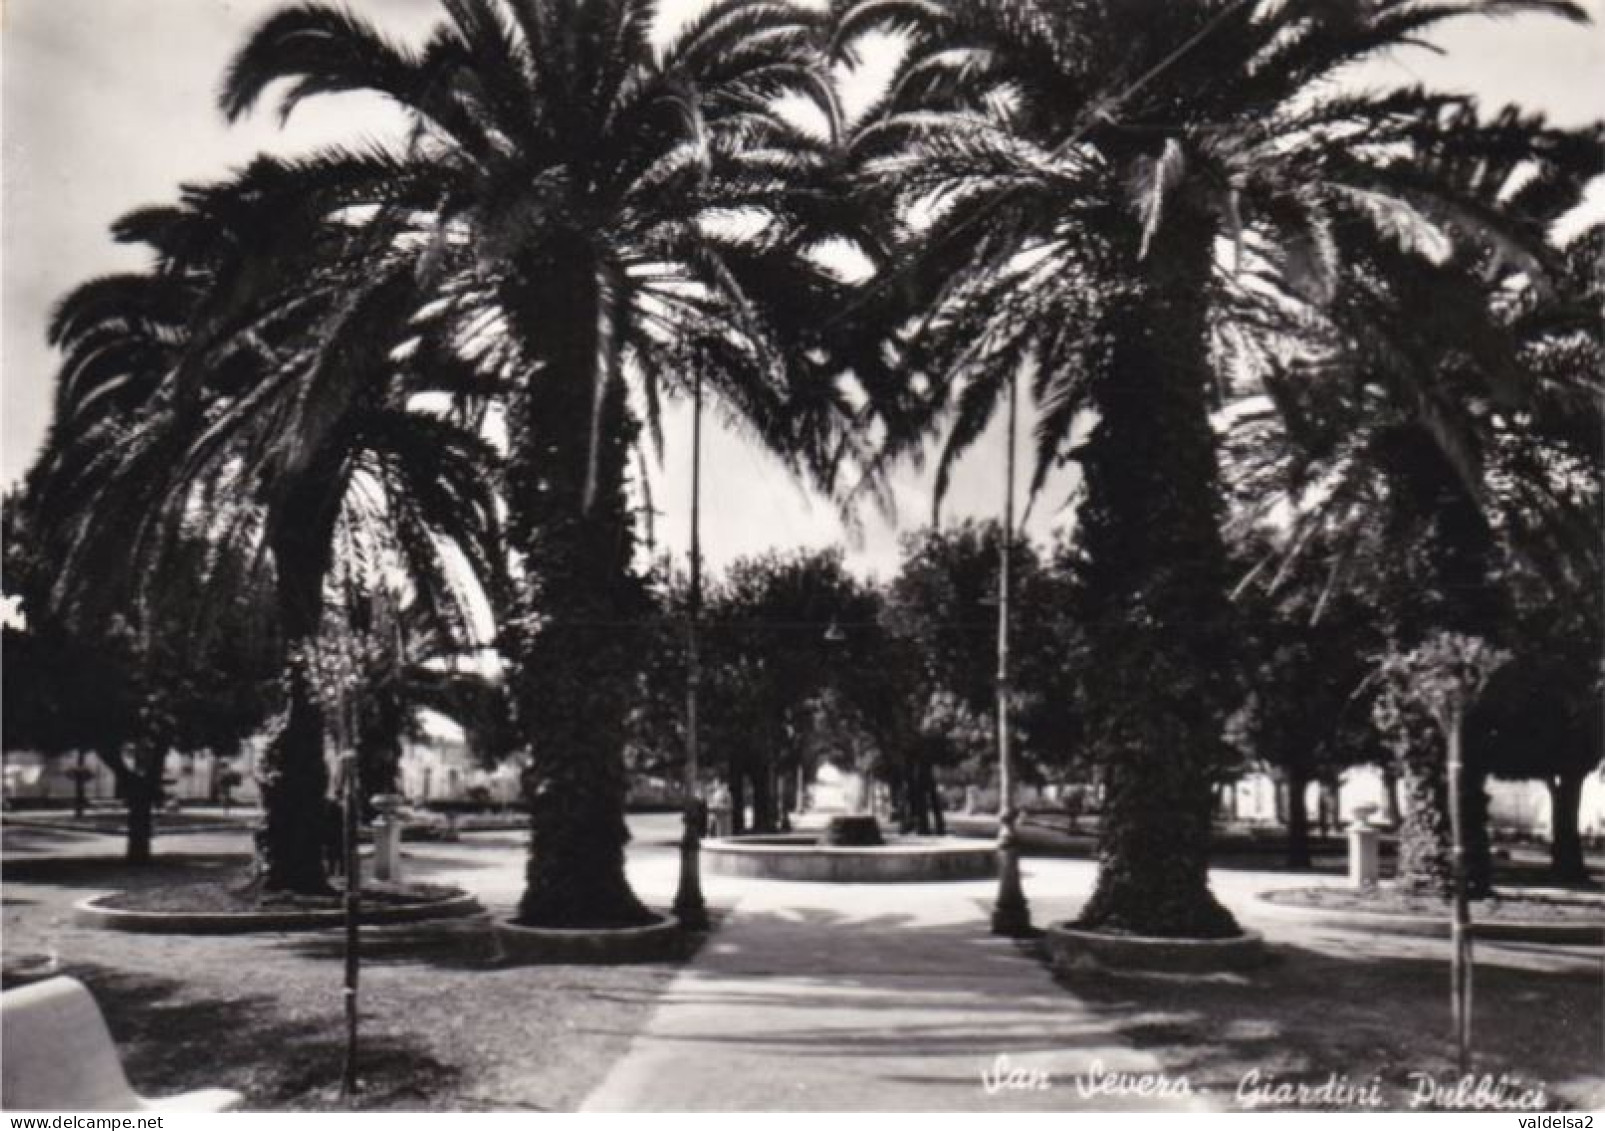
x,y
1071,948
90,913
1422,926
160,830
656,942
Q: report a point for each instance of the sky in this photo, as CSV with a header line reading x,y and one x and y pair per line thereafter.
x,y
108,105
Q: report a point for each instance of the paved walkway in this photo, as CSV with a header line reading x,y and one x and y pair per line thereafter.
x,y
868,997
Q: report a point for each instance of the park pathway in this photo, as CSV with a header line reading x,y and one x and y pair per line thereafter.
x,y
868,997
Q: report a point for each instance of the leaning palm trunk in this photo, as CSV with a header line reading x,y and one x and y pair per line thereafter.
x,y
1155,571
573,644
292,774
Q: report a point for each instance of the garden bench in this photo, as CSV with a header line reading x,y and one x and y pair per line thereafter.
x,y
58,1055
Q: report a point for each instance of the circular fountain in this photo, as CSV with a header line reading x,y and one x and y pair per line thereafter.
x,y
850,850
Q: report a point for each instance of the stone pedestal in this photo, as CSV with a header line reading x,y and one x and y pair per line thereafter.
x,y
387,840
1365,861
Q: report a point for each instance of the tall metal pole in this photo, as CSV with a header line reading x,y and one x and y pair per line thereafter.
x,y
689,906
350,792
1010,915
1460,928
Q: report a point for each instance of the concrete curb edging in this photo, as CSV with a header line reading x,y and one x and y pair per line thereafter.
x,y
799,859
90,913
1070,948
655,942
1427,927
215,827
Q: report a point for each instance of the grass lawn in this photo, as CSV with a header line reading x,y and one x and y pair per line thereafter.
x,y
444,1027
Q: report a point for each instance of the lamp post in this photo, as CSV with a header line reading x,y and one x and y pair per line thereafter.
x,y
689,906
1010,914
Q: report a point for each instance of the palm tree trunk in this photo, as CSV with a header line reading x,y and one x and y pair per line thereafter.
x,y
574,635
1154,573
292,774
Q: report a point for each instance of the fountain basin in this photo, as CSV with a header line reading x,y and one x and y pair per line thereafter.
x,y
800,858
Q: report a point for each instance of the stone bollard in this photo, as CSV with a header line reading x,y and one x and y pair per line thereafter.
x,y
1365,860
387,839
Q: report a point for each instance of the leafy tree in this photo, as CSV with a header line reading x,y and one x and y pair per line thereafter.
x,y
794,665
942,606
1310,654
152,671
1540,718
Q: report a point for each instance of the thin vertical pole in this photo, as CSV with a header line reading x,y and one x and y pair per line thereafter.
x,y
689,906
353,909
693,747
1005,565
1460,930
1010,915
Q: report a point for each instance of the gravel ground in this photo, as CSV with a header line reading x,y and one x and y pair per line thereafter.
x,y
444,1026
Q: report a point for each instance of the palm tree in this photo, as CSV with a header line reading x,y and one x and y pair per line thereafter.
x,y
1104,181
1428,442
569,179
272,406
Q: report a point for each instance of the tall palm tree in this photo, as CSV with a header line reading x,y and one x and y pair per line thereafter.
x,y
1104,177
271,405
577,188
